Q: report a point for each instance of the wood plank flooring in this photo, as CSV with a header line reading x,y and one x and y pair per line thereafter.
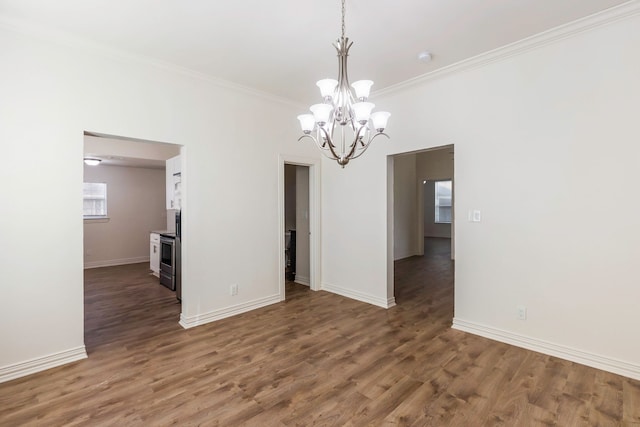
x,y
315,359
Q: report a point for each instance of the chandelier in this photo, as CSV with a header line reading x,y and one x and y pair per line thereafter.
x,y
343,113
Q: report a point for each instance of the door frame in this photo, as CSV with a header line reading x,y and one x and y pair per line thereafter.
x,y
419,226
314,219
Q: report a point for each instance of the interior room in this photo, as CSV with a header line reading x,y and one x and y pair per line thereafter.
x,y
526,314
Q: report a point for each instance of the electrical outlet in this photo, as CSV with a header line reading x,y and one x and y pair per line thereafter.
x,y
234,289
522,312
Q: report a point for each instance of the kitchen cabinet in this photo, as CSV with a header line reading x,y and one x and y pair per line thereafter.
x,y
173,183
154,254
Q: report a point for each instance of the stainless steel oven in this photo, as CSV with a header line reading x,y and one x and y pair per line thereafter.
x,y
168,260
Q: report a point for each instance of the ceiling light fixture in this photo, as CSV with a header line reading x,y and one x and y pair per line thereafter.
x,y
425,56
91,161
345,108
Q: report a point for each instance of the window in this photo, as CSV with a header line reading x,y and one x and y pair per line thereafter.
x,y
94,200
443,202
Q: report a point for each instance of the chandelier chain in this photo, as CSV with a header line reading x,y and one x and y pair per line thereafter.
x,y
343,12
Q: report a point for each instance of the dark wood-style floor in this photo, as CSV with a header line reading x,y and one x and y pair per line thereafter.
x,y
316,359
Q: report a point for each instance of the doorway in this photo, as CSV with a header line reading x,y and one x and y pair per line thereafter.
x,y
421,207
296,223
131,176
299,194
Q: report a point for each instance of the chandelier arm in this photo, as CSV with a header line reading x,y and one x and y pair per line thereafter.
x,y
324,151
308,136
369,142
355,142
330,143
314,139
343,98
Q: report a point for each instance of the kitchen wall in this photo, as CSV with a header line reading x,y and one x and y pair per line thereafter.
x,y
135,206
54,90
546,138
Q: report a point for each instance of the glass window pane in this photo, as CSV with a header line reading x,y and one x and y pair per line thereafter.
x,y
94,199
443,195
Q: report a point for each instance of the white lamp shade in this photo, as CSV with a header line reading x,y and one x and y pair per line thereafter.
x,y
321,112
327,87
362,111
362,88
307,122
379,119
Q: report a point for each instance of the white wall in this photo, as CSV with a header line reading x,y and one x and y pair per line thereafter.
x,y
545,141
354,227
51,94
405,206
135,206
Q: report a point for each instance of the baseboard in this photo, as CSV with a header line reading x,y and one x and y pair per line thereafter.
x,y
17,370
401,257
582,357
360,296
200,319
302,280
112,262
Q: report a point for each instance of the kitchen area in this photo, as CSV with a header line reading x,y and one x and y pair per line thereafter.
x,y
135,217
165,246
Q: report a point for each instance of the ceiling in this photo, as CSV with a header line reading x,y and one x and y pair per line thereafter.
x,y
284,46
128,152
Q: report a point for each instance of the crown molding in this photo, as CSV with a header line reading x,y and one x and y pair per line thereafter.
x,y
97,49
616,13
605,17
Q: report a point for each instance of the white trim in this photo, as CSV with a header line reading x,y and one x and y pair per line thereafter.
x,y
113,262
51,35
17,370
200,319
605,363
96,219
391,234
302,280
622,11
360,296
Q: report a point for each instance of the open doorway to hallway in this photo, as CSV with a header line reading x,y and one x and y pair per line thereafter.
x,y
307,211
297,228
422,208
